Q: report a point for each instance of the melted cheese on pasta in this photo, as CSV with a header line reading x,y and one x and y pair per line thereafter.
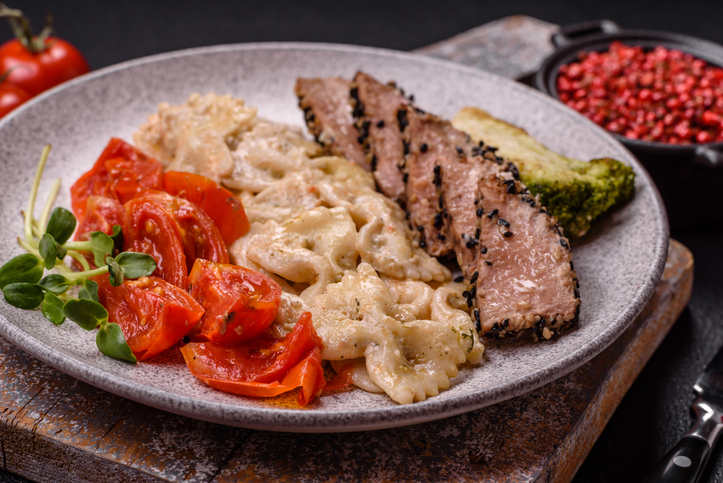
x,y
384,309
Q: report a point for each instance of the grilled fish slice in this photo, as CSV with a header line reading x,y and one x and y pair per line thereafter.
x,y
375,108
526,278
428,138
457,182
328,115
460,198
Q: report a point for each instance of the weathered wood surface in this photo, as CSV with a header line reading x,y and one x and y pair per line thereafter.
x,y
54,428
512,47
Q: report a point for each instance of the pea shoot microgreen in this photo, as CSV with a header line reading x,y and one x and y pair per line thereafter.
x,y
47,243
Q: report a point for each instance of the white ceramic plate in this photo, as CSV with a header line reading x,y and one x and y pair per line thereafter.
x,y
618,263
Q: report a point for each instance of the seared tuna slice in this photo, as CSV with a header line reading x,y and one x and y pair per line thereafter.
x,y
457,181
328,114
375,110
428,138
525,276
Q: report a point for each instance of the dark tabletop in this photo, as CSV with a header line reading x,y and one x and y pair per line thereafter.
x,y
655,411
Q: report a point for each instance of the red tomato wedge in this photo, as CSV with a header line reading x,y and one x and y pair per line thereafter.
x,y
150,228
342,379
262,367
101,215
200,235
240,303
120,173
220,204
152,313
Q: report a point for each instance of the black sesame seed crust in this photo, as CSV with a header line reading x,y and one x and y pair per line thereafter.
x,y
402,119
546,326
377,123
425,174
336,133
459,191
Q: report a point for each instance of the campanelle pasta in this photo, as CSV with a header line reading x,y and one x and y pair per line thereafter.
x,y
384,309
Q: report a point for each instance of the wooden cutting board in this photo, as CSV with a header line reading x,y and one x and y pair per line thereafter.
x,y
54,428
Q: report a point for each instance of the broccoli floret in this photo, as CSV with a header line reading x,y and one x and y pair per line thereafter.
x,y
574,191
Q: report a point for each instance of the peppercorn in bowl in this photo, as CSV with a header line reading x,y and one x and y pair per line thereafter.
x,y
658,93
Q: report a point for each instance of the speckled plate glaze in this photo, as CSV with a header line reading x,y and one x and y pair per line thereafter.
x,y
618,263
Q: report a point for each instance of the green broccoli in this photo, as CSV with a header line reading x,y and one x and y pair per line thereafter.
x,y
574,191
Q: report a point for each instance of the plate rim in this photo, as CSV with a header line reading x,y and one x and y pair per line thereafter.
x,y
320,420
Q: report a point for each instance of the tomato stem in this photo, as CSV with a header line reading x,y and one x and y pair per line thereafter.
x,y
20,24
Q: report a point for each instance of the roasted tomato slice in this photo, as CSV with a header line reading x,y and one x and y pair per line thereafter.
x,y
200,235
152,313
121,172
262,367
150,228
101,214
344,378
220,204
240,303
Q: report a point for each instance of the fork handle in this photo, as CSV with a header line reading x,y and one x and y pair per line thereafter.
x,y
683,464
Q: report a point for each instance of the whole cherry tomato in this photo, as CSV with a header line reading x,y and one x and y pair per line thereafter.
x,y
219,203
152,313
56,61
36,63
11,97
240,303
262,367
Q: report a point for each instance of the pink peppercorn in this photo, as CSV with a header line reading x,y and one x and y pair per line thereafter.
x,y
662,95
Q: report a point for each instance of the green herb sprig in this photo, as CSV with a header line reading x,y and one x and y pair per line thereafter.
x,y
47,244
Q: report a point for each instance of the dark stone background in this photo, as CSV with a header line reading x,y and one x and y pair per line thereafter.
x,y
655,412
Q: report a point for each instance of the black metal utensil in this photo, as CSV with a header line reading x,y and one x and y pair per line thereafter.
x,y
685,462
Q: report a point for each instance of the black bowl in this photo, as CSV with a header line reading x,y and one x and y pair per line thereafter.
x,y
689,177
